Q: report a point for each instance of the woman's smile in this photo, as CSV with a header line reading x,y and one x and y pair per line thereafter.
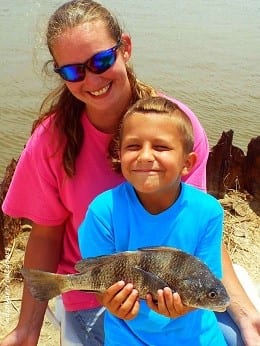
x,y
101,91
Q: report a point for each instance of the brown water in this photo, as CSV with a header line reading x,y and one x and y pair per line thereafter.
x,y
205,53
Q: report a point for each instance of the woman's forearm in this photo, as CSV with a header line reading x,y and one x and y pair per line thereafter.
x,y
240,303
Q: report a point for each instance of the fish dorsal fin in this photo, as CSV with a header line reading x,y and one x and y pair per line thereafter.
x,y
91,262
155,281
83,265
158,248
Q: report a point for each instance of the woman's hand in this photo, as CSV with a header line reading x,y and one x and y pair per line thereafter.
x,y
121,300
241,309
169,304
250,329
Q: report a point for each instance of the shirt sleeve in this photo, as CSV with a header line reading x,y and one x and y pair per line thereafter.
x,y
34,189
95,234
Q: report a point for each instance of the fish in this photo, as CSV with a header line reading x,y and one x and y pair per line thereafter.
x,y
148,269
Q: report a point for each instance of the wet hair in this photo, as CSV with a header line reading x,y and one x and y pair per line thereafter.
x,y
154,106
65,107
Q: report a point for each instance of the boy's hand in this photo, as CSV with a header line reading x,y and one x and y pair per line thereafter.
x,y
121,300
169,304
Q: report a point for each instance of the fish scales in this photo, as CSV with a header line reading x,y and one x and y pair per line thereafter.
x,y
104,275
125,267
149,269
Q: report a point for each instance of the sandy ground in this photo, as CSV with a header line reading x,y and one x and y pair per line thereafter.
x,y
241,234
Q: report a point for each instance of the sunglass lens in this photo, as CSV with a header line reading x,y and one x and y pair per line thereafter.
x,y
99,63
102,61
73,73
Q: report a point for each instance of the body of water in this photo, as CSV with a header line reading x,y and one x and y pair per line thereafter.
x,y
205,53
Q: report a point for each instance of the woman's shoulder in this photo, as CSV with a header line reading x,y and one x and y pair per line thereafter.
x,y
45,136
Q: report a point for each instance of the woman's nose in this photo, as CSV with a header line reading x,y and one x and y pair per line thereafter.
x,y
91,79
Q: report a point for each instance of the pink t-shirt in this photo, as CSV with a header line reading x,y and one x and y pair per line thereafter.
x,y
41,191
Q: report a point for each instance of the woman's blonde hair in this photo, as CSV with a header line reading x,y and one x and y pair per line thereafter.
x,y
67,109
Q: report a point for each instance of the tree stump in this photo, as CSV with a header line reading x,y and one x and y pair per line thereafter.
x,y
252,168
228,168
225,167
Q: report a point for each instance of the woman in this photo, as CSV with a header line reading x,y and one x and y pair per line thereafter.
x,y
65,164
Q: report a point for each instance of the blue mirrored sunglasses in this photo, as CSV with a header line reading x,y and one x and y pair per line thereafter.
x,y
97,64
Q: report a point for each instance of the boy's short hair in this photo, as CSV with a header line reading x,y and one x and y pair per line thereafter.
x,y
156,105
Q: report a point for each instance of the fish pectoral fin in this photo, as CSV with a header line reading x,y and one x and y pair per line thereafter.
x,y
152,279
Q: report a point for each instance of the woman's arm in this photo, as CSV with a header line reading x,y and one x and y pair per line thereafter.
x,y
241,308
42,252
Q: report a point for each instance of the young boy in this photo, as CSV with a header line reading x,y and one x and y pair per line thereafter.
x,y
154,208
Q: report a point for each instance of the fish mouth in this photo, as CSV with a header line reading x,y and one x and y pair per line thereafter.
x,y
219,308
216,308
212,308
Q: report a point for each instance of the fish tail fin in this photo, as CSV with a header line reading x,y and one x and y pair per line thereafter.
x,y
43,285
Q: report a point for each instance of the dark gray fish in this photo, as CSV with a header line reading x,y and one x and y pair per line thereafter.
x,y
149,269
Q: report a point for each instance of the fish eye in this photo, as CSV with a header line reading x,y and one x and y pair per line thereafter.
x,y
212,294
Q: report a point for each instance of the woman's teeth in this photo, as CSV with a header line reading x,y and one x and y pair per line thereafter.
x,y
100,91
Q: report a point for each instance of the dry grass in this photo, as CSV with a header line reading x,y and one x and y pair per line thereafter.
x,y
11,293
241,236
242,232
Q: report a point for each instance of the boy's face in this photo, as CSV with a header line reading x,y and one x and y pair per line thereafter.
x,y
152,156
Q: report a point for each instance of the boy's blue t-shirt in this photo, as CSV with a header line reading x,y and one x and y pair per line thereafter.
x,y
116,221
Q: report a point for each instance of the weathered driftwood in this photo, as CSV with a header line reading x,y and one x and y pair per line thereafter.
x,y
227,168
252,168
224,166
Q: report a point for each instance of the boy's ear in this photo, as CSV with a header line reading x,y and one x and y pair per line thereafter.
x,y
190,161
